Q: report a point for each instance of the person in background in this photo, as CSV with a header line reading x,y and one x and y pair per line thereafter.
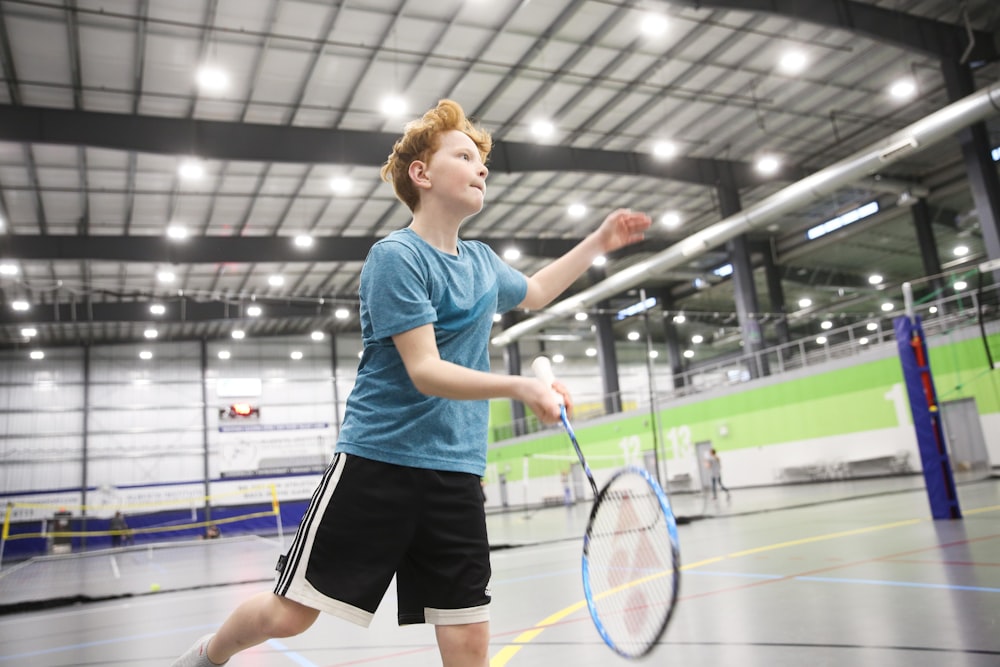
x,y
714,466
120,533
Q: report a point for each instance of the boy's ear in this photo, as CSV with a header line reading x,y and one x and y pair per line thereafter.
x,y
418,174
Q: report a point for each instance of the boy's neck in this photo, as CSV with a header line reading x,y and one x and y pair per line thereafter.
x,y
436,231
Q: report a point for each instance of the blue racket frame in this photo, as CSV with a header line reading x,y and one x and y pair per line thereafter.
x,y
671,523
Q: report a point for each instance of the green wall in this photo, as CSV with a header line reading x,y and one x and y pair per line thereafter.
x,y
864,396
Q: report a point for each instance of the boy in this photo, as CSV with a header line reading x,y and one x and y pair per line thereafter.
x,y
402,495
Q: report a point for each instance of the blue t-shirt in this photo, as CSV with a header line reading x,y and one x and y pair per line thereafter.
x,y
407,283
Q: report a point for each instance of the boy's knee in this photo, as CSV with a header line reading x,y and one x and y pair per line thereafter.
x,y
288,618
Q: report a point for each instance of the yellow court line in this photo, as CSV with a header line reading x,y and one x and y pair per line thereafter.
x,y
509,651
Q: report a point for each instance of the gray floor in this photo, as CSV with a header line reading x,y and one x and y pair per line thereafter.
x,y
819,574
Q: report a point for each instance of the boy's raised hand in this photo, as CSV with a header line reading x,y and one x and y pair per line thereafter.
x,y
623,227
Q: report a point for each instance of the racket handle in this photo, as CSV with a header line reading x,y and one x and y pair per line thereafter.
x,y
543,371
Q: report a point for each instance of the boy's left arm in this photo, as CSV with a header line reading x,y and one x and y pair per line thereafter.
x,y
621,228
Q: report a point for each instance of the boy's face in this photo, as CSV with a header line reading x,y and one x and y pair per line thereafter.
x,y
457,173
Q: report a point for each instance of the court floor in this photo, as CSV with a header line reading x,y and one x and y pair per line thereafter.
x,y
846,573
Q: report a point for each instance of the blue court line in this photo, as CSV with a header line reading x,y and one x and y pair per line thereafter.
x,y
845,580
104,642
910,584
290,654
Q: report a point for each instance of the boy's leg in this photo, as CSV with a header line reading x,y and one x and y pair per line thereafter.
x,y
260,618
464,645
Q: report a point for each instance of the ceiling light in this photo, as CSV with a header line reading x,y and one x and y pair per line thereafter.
x,y
177,232
238,334
932,310
825,325
342,313
191,170
340,185
768,164
497,317
903,89
166,276
296,355
697,338
511,254
600,260
633,335
145,355
875,279
303,241
157,309
671,220
581,317
679,318
276,280
960,285
872,326
211,78
664,149
849,218
576,210
862,341
224,354
254,311
653,25
959,251
793,62
317,335
37,355
887,306
20,305
591,352
8,270
150,333
393,106
688,354
28,332
653,354
542,129
805,302
821,340
558,358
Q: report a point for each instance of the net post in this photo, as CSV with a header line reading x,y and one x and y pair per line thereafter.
x,y
6,530
276,508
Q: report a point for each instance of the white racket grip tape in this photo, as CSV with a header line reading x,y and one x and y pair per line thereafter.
x,y
542,367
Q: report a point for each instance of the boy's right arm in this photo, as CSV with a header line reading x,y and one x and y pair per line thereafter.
x,y
434,376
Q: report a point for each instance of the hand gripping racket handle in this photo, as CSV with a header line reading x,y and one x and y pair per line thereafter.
x,y
543,371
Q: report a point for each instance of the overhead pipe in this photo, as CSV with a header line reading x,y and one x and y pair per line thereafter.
x,y
922,134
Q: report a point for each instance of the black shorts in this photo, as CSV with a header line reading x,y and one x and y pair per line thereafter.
x,y
368,521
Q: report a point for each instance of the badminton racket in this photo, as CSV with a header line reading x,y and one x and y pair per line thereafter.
x,y
631,552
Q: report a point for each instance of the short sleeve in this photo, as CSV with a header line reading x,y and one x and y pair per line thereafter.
x,y
395,290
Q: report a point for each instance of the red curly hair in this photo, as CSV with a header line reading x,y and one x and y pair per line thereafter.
x,y
419,141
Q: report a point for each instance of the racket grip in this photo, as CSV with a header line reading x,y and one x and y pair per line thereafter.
x,y
543,371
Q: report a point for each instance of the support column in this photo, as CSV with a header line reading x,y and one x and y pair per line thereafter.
x,y
776,296
336,389
672,338
204,429
744,290
607,355
980,169
85,453
928,245
512,364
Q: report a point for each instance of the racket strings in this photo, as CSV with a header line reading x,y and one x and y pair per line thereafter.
x,y
632,565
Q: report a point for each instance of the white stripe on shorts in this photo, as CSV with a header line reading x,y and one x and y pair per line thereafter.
x,y
292,582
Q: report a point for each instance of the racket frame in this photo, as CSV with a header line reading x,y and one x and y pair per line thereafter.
x,y
675,555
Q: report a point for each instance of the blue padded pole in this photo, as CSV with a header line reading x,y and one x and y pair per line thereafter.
x,y
927,423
